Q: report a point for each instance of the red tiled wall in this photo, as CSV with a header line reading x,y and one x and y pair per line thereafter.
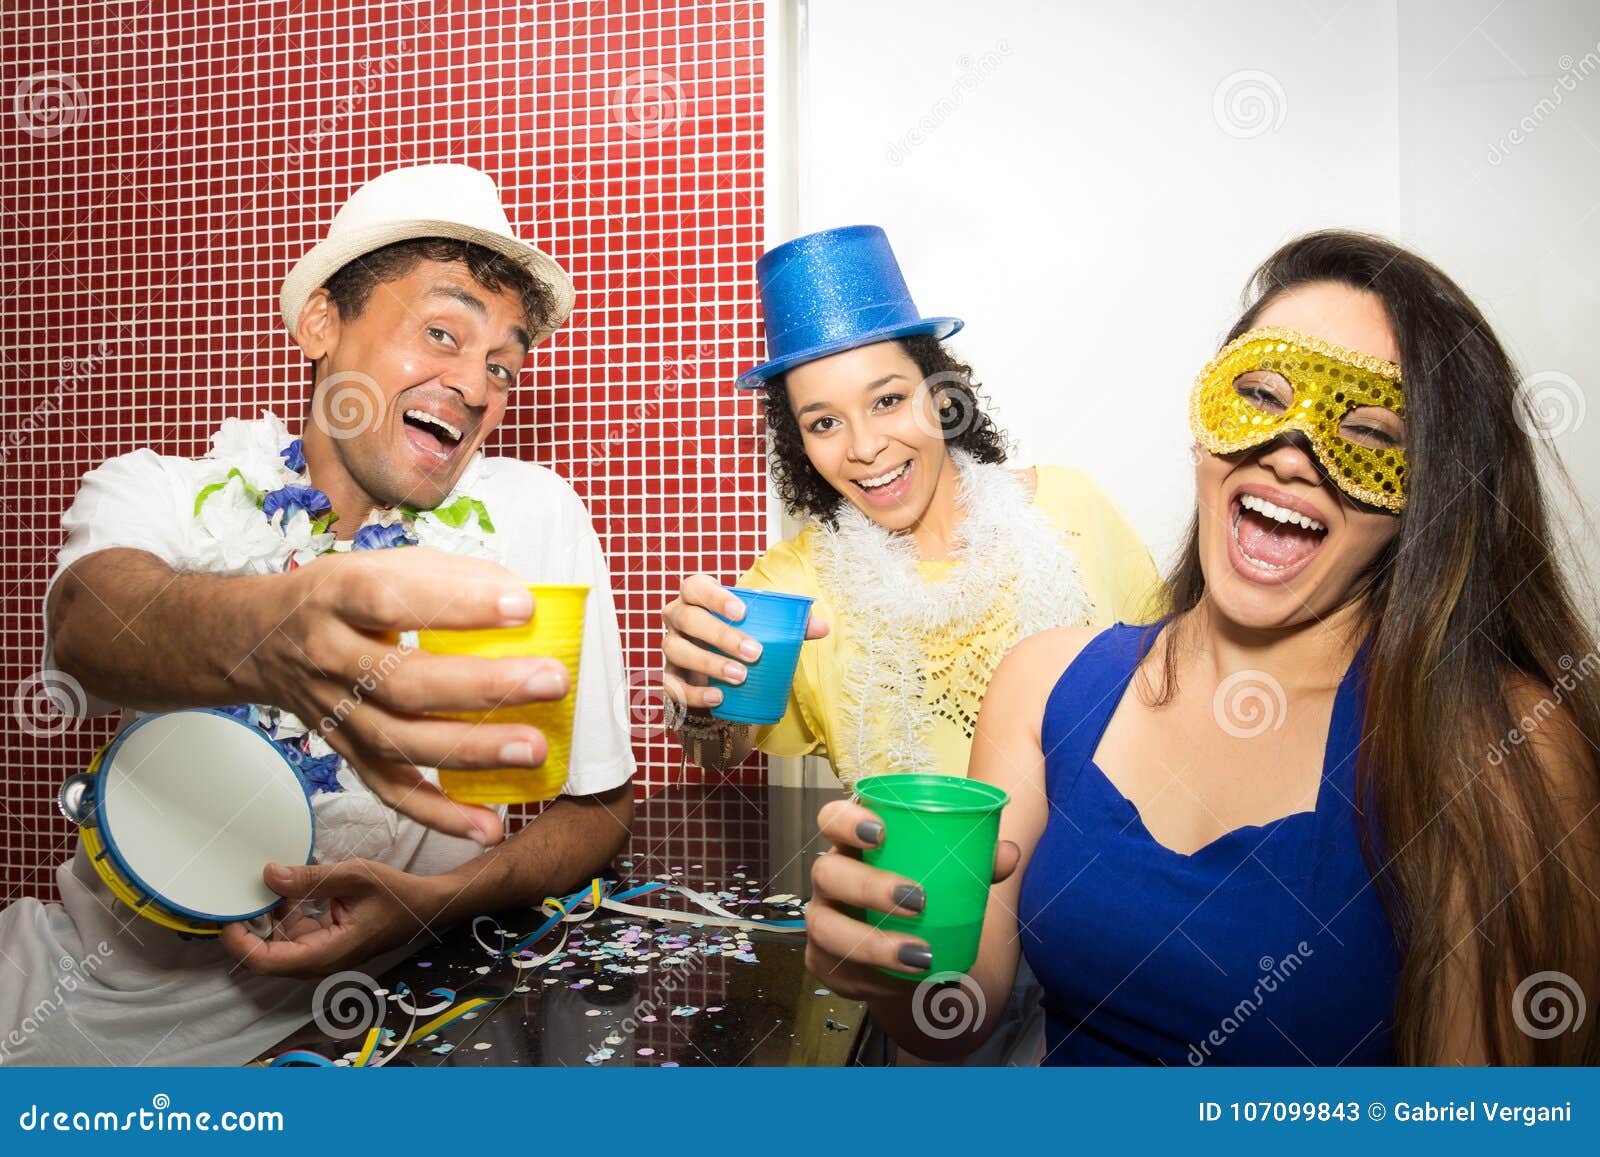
x,y
163,165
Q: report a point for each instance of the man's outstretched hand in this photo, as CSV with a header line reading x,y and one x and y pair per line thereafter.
x,y
331,654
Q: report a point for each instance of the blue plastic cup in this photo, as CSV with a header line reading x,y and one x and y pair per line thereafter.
x,y
778,622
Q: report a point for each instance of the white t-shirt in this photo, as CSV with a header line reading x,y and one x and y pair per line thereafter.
x,y
88,982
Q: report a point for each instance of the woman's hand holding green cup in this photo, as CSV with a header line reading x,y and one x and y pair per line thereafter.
x,y
901,893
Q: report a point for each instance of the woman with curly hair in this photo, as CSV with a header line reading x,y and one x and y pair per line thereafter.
x,y
927,558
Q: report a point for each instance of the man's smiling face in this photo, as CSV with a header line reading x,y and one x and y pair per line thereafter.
x,y
409,388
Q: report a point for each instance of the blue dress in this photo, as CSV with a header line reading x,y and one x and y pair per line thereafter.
x,y
1268,946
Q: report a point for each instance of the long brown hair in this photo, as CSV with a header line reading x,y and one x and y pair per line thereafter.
x,y
1468,619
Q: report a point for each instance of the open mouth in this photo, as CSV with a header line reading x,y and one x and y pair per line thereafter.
x,y
887,488
431,434
1273,542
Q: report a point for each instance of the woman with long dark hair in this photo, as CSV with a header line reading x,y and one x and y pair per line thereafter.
x,y
1341,806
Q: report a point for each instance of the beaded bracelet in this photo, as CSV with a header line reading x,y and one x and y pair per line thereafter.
x,y
691,724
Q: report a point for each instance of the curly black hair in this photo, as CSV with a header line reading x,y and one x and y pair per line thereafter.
x,y
351,286
353,283
966,427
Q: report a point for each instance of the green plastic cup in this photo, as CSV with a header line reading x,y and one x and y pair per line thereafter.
x,y
939,831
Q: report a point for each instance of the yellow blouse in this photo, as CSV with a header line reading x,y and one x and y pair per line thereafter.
x,y
1117,574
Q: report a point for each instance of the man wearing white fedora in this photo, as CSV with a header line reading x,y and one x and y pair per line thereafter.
x,y
256,580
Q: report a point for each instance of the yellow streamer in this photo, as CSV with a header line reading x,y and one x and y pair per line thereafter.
x,y
445,1018
368,1047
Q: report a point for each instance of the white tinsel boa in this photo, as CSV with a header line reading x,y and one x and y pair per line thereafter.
x,y
1012,577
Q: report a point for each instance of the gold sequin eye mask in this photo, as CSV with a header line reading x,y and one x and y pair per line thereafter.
x,y
1349,405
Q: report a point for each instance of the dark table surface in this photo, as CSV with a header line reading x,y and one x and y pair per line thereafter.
x,y
645,992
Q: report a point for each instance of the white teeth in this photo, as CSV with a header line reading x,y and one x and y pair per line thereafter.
x,y
1278,513
435,420
884,479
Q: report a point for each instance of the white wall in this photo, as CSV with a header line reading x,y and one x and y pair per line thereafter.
x,y
1088,185
1499,158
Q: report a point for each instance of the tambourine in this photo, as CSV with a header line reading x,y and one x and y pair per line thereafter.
x,y
181,811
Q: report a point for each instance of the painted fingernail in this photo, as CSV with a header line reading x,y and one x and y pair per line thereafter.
x,y
733,672
516,606
713,697
517,754
916,957
870,832
910,897
750,649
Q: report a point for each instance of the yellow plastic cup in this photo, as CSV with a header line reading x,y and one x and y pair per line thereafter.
x,y
555,631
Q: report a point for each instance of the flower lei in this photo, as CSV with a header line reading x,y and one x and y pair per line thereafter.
x,y
261,515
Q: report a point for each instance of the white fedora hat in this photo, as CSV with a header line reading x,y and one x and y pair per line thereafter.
x,y
454,201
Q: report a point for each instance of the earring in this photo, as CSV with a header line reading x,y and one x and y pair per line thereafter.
x,y
945,403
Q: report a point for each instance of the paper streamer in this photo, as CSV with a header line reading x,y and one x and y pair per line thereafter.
x,y
565,910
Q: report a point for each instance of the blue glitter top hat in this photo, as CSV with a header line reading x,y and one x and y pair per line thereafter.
x,y
832,291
